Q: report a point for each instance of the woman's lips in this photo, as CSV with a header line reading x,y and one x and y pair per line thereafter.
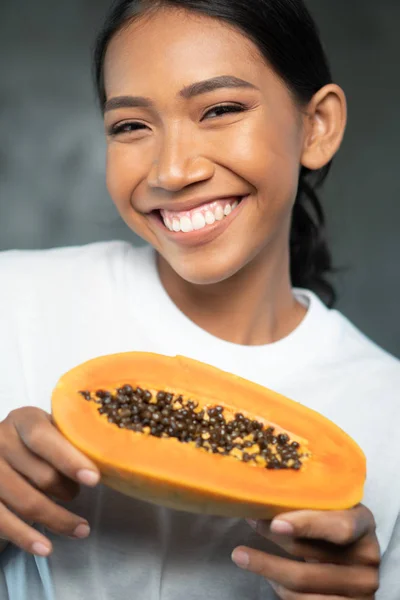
x,y
203,235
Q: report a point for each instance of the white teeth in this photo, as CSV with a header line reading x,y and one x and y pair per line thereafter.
x,y
198,221
210,217
186,225
219,213
227,210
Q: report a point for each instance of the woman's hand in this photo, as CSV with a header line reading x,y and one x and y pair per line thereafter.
x,y
340,548
36,464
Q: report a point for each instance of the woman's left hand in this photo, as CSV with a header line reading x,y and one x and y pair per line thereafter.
x,y
340,548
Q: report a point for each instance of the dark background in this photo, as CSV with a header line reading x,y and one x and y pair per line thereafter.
x,y
52,183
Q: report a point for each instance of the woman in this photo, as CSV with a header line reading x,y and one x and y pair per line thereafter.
x,y
221,119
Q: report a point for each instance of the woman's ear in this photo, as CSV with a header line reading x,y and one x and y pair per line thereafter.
x,y
324,126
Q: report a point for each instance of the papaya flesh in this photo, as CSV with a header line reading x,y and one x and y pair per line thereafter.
x,y
186,435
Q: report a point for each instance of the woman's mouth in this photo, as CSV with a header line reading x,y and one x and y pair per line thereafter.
x,y
200,225
199,218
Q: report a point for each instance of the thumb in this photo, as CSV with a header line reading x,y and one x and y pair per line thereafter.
x,y
338,527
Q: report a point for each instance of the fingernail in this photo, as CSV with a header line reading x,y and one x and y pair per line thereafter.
x,y
252,523
282,527
88,477
40,549
82,531
241,558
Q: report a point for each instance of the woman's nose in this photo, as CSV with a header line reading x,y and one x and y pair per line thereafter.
x,y
179,164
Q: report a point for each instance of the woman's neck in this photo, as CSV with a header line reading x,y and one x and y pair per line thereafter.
x,y
256,306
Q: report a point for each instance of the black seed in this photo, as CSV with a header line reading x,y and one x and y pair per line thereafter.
x,y
297,465
283,438
156,416
102,410
139,392
239,417
169,397
295,445
160,396
147,395
124,412
273,440
246,457
127,390
85,394
248,444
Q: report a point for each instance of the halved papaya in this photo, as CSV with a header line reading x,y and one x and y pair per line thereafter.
x,y
186,435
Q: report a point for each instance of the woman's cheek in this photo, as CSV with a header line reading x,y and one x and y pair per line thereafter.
x,y
121,176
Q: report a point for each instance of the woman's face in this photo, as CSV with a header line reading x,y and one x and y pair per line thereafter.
x,y
203,139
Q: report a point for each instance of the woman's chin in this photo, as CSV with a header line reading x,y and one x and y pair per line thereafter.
x,y
203,271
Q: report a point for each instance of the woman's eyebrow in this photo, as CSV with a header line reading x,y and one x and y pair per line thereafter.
x,y
194,89
209,85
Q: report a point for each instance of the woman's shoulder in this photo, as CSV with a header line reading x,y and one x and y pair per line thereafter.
x,y
341,347
30,270
55,257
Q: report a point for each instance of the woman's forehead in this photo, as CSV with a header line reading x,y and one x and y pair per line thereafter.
x,y
174,43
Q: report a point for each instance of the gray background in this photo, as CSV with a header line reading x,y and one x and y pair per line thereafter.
x,y
52,184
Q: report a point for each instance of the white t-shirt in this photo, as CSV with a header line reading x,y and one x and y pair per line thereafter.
x,y
61,307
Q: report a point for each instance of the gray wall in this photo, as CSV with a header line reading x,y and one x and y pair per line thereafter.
x,y
52,189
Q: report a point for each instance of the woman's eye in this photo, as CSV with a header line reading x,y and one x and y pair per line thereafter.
x,y
130,127
223,109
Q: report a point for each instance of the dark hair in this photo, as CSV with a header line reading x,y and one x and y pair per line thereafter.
x,y
286,35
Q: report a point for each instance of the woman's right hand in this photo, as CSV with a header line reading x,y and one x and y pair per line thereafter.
x,y
37,464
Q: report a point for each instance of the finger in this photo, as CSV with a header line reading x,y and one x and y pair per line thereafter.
x,y
366,551
42,475
32,505
48,443
338,527
348,581
285,594
21,534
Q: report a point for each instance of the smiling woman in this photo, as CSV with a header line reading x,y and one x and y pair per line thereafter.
x,y
221,120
